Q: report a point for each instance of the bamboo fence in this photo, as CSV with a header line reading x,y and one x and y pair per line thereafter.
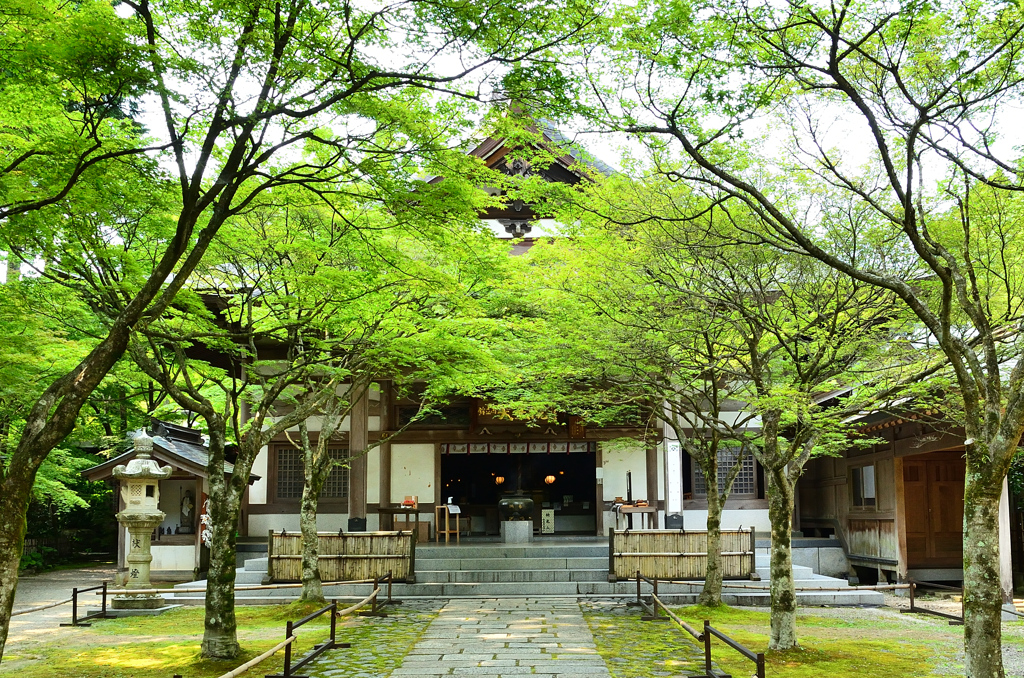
x,y
344,556
677,554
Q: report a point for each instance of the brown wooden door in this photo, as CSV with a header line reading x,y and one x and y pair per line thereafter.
x,y
934,493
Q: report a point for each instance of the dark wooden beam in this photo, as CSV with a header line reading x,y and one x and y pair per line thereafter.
x,y
358,437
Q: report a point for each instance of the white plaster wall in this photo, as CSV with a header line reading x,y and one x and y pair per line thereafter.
x,y
412,471
316,422
173,557
661,485
373,476
261,523
258,490
732,519
616,463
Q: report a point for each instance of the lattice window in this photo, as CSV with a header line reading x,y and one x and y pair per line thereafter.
x,y
336,486
290,476
745,484
289,473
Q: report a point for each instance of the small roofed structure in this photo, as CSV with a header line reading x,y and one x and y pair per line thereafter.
x,y
177,548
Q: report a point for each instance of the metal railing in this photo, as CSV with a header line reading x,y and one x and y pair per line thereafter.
x,y
102,614
318,649
655,604
377,607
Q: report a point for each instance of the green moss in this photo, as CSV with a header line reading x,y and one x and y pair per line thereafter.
x,y
866,644
159,647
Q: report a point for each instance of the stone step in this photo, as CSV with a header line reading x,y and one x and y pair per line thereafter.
x,y
576,563
677,594
256,564
525,575
497,550
799,571
248,577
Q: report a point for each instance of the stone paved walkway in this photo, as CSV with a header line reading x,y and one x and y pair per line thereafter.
x,y
510,637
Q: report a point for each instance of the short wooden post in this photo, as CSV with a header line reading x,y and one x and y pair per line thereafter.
x,y
753,553
334,621
410,577
760,665
270,556
103,608
288,650
707,648
611,554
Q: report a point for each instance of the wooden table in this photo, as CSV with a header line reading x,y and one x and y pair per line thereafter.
x,y
403,510
644,511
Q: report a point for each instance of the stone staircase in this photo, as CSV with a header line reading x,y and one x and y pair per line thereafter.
x,y
543,568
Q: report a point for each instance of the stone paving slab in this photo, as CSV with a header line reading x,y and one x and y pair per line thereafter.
x,y
507,637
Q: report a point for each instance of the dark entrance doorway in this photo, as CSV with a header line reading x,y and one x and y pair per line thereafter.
x,y
472,482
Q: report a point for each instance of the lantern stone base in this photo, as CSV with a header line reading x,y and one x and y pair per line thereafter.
x,y
516,531
142,613
149,601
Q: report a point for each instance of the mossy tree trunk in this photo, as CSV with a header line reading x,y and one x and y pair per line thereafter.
x,y
13,508
711,594
783,462
220,639
983,594
707,453
314,478
780,492
317,465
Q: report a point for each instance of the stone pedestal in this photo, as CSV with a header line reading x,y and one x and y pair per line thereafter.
x,y
516,531
138,561
140,489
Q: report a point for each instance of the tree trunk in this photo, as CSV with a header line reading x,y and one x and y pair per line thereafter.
x,y
220,640
311,585
14,500
983,598
711,594
783,594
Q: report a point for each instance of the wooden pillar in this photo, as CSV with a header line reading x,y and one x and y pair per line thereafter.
x,y
387,521
358,434
119,504
599,495
1005,552
901,519
652,482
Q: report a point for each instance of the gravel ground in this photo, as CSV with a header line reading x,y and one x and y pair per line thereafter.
x,y
50,587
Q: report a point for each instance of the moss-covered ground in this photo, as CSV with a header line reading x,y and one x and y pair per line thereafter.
x,y
837,643
159,647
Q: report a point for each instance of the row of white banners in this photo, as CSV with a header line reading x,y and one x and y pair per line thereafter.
x,y
517,448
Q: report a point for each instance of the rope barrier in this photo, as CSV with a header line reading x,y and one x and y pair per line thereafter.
x,y
364,601
762,587
41,607
263,657
262,587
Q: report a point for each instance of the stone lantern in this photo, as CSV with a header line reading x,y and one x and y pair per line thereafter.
x,y
140,490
